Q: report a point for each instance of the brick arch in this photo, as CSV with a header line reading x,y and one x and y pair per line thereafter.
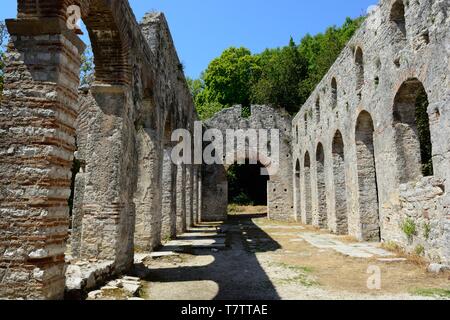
x,y
109,31
114,34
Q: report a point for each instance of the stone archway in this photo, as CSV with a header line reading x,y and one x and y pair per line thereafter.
x,y
340,186
322,210
412,131
232,127
297,191
367,179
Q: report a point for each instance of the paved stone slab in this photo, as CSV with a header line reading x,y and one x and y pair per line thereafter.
x,y
356,250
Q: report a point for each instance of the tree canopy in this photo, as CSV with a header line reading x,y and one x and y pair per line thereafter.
x,y
3,35
281,77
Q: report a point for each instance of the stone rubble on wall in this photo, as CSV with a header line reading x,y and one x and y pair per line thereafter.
x,y
360,100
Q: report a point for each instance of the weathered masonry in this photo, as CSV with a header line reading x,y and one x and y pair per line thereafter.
x,y
371,145
119,131
234,121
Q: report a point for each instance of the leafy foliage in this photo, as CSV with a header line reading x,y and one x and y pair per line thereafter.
x,y
322,50
3,36
281,72
87,67
423,127
409,228
281,77
229,78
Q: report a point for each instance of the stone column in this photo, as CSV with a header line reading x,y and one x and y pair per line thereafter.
x,y
181,199
195,195
77,213
37,117
169,216
199,196
189,196
108,207
148,193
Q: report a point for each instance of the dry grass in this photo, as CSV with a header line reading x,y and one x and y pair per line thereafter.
x,y
234,209
399,251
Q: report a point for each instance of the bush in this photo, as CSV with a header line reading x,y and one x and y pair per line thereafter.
x,y
409,228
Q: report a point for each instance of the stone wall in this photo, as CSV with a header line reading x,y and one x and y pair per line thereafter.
x,y
360,113
117,130
279,187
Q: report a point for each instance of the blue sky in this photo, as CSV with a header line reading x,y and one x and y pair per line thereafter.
x,y
202,29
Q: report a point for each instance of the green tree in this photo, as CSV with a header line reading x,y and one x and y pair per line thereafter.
x,y
229,78
281,71
321,51
87,67
195,86
3,36
282,77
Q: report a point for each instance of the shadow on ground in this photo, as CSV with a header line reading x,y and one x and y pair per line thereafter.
x,y
231,274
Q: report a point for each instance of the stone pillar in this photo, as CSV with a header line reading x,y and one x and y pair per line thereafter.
x,y
181,198
189,196
148,193
199,195
169,216
77,213
37,117
195,195
108,207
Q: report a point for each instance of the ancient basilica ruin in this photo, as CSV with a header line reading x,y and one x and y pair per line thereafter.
x,y
353,161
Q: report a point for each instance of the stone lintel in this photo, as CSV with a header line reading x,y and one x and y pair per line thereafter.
x,y
44,26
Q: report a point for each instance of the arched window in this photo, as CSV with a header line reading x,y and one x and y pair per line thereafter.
x,y
318,109
412,131
306,122
334,93
297,190
359,63
397,16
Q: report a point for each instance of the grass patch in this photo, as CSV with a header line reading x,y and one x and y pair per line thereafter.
x,y
426,230
393,247
302,276
415,257
234,208
432,292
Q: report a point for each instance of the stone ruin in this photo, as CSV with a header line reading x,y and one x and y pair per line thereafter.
x,y
350,161
279,186
357,147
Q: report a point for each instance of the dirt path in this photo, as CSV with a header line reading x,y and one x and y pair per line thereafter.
x,y
252,258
